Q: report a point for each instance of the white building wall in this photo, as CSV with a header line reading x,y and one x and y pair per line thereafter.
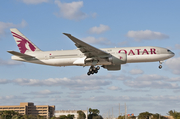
x,y
71,112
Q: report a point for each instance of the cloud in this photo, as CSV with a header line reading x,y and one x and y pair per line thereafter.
x,y
162,98
44,92
119,98
71,10
94,15
4,81
34,1
153,81
74,96
146,35
93,40
9,62
114,88
136,71
55,99
151,77
177,46
4,26
11,100
135,90
174,65
103,77
151,84
174,79
97,30
74,84
122,43
177,91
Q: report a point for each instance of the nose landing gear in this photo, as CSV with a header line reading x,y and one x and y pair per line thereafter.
x,y
93,70
160,66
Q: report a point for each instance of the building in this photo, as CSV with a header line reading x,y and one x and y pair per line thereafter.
x,y
28,108
71,112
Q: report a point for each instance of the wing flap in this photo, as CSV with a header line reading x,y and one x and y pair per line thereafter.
x,y
20,54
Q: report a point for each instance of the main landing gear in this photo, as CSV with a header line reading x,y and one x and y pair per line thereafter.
x,y
93,70
160,66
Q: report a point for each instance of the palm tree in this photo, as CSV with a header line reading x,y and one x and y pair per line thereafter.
x,y
176,115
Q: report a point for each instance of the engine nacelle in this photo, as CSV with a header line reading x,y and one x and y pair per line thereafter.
x,y
118,59
112,67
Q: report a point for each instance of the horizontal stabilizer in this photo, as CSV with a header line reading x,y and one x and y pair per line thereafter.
x,y
20,54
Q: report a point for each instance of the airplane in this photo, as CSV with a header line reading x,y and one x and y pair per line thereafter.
x,y
87,55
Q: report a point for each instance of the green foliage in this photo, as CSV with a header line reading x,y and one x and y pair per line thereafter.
x,y
15,115
69,116
81,115
132,117
144,115
94,111
53,117
62,117
94,114
97,117
9,114
175,114
121,117
156,116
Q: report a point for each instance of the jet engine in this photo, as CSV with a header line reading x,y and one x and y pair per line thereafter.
x,y
118,59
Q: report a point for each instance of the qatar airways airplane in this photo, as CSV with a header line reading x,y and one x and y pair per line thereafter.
x,y
87,55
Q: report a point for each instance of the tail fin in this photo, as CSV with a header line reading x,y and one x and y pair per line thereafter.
x,y
24,44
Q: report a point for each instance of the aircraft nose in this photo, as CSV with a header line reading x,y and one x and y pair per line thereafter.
x,y
172,54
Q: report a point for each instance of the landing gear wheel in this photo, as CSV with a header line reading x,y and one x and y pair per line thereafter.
x,y
90,69
88,73
93,70
96,71
97,67
160,66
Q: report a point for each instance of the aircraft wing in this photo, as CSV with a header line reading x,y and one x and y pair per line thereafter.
x,y
20,54
87,49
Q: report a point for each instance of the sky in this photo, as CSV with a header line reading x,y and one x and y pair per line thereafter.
x,y
102,24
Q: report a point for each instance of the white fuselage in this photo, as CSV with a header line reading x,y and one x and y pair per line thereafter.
x,y
74,57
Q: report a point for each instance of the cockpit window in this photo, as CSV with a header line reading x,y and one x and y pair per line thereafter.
x,y
169,50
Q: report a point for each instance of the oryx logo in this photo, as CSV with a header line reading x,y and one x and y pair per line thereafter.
x,y
23,44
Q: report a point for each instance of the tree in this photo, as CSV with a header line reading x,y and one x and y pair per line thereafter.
x,y
132,117
25,117
53,117
156,116
95,111
9,114
144,115
90,110
175,114
81,115
15,115
69,116
94,114
97,117
62,117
